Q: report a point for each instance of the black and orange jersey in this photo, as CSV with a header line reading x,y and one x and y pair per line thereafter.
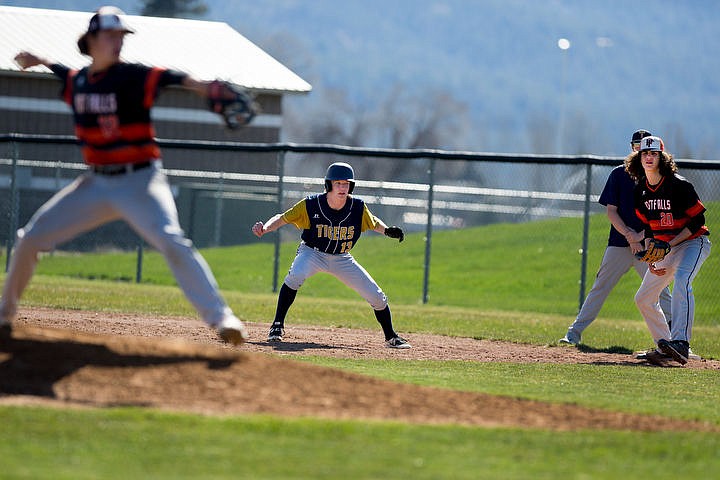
x,y
668,207
112,110
328,230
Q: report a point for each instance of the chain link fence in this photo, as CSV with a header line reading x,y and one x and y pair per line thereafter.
x,y
222,188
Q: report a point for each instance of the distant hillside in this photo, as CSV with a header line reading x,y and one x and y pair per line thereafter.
x,y
629,65
502,58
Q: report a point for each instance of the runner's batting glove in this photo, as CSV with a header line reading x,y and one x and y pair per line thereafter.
x,y
236,107
395,232
656,251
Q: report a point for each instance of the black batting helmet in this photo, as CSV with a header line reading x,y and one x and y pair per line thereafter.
x,y
339,171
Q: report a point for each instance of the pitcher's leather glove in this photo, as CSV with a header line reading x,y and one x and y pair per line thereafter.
x,y
236,107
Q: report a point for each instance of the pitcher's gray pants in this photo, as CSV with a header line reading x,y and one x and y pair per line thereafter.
x,y
141,198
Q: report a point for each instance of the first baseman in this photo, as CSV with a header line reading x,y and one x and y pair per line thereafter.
x,y
676,245
111,102
331,224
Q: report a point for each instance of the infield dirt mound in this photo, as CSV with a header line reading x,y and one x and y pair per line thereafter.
x,y
193,372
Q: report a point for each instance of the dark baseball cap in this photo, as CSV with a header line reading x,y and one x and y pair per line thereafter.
x,y
639,135
108,18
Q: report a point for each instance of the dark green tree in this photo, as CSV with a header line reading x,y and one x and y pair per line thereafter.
x,y
174,8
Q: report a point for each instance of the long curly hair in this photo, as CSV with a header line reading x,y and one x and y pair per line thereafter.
x,y
633,165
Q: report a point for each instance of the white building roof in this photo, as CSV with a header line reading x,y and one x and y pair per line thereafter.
x,y
206,50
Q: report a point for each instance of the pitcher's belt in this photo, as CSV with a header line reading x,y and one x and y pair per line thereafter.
x,y
119,168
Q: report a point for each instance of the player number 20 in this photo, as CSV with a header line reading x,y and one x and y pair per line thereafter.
x,y
666,219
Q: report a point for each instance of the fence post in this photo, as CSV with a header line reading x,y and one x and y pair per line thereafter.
x,y
58,168
586,233
14,205
218,210
428,231
138,268
280,193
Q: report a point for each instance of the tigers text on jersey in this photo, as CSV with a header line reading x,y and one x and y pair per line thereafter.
x,y
670,206
112,110
328,230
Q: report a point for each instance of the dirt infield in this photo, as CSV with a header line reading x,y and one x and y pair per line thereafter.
x,y
76,359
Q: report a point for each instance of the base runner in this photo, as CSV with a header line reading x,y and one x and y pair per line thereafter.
x,y
332,223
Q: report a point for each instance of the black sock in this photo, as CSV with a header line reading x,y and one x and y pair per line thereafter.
x,y
285,299
385,320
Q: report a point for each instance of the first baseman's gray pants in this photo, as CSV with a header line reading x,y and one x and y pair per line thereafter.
x,y
682,264
143,199
615,263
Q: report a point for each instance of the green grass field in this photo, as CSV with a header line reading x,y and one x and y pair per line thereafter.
x,y
524,295
530,267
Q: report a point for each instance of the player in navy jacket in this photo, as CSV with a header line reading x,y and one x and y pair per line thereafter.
x,y
626,233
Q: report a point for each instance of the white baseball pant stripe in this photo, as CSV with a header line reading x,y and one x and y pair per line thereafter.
x,y
144,200
344,267
682,264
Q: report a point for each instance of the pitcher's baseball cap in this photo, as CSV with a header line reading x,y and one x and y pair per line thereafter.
x,y
105,18
639,135
108,18
652,144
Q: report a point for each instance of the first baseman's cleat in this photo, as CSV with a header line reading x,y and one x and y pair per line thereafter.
x,y
658,358
231,330
397,342
276,334
677,349
643,355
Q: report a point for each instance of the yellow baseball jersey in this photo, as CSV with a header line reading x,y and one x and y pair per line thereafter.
x,y
328,230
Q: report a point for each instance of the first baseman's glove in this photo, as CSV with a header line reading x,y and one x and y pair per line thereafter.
x,y
656,251
236,107
395,232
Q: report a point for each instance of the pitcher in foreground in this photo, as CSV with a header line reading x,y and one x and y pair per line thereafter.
x,y
111,103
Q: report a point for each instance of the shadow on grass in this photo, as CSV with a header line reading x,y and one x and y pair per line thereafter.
x,y
611,349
